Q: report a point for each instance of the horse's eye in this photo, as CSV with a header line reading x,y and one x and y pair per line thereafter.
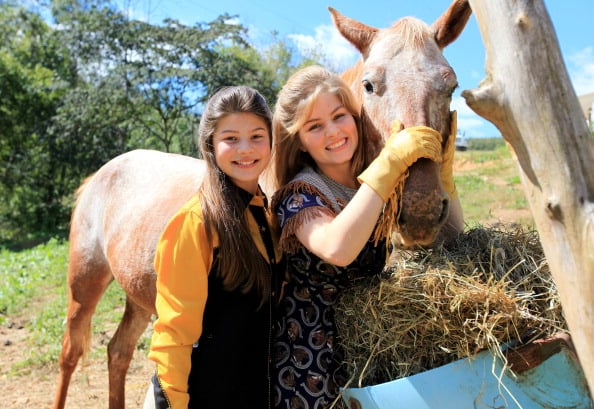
x,y
368,86
454,88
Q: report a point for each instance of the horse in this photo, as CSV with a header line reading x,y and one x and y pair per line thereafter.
x,y
121,210
403,75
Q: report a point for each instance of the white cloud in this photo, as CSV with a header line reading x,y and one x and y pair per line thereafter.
x,y
581,70
327,43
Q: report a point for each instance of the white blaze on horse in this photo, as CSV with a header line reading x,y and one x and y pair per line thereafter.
x,y
122,209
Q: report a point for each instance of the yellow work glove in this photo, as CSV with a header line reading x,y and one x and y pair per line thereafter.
x,y
403,148
446,173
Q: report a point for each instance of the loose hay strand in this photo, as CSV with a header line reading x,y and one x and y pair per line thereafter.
x,y
432,307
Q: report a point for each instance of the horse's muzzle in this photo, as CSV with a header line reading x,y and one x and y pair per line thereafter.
x,y
424,205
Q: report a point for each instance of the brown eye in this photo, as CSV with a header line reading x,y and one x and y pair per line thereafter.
x,y
369,88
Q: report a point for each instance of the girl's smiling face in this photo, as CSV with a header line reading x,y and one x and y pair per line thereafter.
x,y
330,136
242,148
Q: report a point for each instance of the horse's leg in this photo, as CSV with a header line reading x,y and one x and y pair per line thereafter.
x,y
84,294
121,348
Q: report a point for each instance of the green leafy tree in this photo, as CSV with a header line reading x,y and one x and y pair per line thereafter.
x,y
32,72
153,71
96,84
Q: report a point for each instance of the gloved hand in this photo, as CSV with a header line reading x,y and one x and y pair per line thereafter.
x,y
446,173
402,149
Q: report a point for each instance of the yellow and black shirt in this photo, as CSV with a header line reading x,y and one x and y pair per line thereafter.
x,y
212,347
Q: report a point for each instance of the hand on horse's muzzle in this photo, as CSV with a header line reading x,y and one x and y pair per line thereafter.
x,y
403,148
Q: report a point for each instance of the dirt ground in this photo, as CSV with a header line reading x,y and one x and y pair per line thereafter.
x,y
89,384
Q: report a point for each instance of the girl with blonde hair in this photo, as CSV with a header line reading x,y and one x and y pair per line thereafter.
x,y
330,198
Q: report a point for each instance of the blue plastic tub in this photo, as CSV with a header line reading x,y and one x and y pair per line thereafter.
x,y
542,375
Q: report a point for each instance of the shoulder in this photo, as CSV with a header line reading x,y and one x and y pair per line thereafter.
x,y
297,196
300,201
304,190
192,206
188,222
190,211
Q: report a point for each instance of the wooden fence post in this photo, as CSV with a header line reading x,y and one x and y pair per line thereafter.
x,y
528,96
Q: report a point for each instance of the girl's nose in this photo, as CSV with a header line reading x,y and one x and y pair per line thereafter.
x,y
331,129
244,145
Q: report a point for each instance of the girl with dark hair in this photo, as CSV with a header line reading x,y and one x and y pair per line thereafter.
x,y
219,270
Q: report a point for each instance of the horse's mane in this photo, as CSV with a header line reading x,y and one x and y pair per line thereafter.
x,y
414,32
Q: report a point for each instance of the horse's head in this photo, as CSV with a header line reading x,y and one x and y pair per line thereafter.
x,y
403,75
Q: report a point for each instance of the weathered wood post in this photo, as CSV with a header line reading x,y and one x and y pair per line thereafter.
x,y
528,96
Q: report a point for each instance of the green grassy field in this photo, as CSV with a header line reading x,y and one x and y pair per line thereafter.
x,y
34,292
489,186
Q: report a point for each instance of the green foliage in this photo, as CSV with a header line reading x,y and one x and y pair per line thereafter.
x,y
489,185
31,66
485,144
29,274
97,84
486,154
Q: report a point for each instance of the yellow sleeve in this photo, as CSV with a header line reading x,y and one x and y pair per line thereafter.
x,y
182,262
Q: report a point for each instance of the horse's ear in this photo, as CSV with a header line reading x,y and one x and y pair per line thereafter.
x,y
451,23
357,33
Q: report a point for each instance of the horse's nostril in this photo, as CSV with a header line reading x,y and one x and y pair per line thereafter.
x,y
445,210
402,219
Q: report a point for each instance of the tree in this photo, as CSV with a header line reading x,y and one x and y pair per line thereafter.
x,y
162,74
538,114
32,65
155,72
97,84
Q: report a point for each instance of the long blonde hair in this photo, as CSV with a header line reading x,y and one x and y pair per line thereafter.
x,y
294,104
240,263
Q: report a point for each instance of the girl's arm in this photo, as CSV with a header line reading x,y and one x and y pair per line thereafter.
x,y
339,240
182,262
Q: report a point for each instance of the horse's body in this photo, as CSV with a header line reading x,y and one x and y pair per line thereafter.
x,y
119,215
122,209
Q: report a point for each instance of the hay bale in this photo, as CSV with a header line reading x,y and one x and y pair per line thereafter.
x,y
432,307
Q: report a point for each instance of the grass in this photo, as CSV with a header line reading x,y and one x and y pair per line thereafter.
x,y
29,274
34,290
490,188
34,293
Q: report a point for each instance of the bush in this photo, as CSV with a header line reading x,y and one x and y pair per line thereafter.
x,y
485,144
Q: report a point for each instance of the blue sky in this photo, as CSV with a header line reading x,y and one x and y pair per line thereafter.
x,y
307,24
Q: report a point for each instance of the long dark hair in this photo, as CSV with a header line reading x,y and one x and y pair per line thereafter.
x,y
241,264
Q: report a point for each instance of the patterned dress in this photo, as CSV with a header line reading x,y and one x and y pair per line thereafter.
x,y
307,345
